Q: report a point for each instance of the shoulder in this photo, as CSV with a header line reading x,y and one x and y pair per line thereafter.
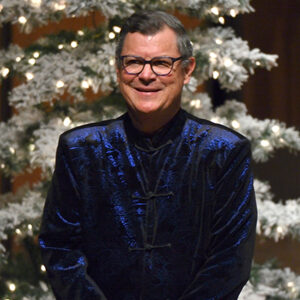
x,y
91,132
213,134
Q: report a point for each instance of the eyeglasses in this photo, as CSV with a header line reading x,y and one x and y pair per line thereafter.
x,y
160,65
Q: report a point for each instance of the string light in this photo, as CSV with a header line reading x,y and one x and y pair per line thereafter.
x,y
258,63
4,72
228,62
29,76
196,103
67,121
233,12
2,166
111,35
60,5
290,284
279,229
31,61
60,46
276,129
215,119
36,3
235,124
31,147
12,287
116,29
215,10
43,268
213,57
85,84
12,150
265,143
80,32
219,41
216,74
60,84
18,59
22,20
18,231
74,44
112,61
222,20
36,54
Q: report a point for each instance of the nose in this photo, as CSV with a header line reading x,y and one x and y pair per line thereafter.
x,y
147,75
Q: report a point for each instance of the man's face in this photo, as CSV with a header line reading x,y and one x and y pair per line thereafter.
x,y
147,92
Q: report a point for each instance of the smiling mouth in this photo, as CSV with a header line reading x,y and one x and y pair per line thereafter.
x,y
147,91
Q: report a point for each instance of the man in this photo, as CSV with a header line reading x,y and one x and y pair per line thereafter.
x,y
156,204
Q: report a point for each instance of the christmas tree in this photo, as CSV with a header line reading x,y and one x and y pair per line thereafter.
x,y
67,78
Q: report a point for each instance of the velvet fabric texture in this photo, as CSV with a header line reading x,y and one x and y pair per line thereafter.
x,y
136,217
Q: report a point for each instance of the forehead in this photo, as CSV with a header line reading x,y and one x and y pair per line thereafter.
x,y
164,42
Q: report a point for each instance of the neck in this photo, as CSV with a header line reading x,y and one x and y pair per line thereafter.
x,y
152,122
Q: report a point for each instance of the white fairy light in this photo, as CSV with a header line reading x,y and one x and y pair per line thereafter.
x,y
275,129
215,10
29,76
36,54
233,12
60,46
222,20
279,229
31,147
116,29
12,287
74,44
43,268
29,226
31,61
213,57
219,41
18,59
196,103
67,121
80,32
215,119
4,71
22,20
85,84
2,166
265,143
60,84
112,61
1,7
111,35
235,124
18,231
61,5
228,62
36,3
258,63
290,284
216,74
12,150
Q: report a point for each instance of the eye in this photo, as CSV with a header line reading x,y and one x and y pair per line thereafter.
x,y
162,62
133,61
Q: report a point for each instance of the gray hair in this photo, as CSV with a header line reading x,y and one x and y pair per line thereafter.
x,y
151,22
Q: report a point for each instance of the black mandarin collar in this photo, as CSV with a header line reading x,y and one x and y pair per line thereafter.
x,y
160,138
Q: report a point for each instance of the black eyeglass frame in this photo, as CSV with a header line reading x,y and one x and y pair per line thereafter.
x,y
173,59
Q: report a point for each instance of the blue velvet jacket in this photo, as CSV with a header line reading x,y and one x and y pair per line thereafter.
x,y
133,217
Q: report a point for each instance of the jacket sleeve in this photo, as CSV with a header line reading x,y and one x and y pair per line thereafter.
x,y
60,237
233,228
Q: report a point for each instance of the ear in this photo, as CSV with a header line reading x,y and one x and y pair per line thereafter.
x,y
188,70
